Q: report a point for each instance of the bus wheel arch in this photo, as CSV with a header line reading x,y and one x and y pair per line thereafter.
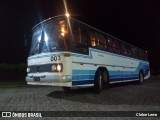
x,y
101,79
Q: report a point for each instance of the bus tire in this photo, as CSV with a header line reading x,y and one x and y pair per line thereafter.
x,y
106,79
66,89
141,78
99,83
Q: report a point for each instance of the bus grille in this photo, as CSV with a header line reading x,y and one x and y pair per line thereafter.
x,y
40,68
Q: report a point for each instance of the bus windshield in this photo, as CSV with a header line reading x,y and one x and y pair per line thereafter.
x,y
49,37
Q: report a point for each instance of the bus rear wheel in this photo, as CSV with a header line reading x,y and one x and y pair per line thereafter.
x,y
141,78
100,81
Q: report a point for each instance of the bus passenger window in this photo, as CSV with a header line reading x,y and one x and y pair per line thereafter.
x,y
134,52
141,54
105,43
126,50
83,39
110,45
80,39
93,39
129,50
146,56
101,41
117,48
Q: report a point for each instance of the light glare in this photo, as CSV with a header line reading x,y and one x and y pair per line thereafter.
x,y
46,37
59,67
67,14
39,38
62,34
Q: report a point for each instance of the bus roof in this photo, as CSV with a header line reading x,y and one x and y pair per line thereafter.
x,y
47,20
105,33
63,16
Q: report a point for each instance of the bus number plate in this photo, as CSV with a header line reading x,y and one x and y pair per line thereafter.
x,y
36,78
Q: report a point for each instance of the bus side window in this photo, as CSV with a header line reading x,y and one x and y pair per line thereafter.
x,y
76,33
134,52
116,47
92,39
141,54
126,49
105,43
129,50
83,37
102,41
146,56
80,39
110,44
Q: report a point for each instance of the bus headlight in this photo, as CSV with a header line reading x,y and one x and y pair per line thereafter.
x,y
57,67
54,68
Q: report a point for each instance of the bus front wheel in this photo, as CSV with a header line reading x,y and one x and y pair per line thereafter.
x,y
99,83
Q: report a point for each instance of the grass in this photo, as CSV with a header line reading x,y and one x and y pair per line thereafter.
x,y
13,84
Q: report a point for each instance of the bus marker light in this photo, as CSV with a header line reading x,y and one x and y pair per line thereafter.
x,y
28,69
67,54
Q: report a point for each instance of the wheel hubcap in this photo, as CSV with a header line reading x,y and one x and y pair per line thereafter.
x,y
141,77
100,81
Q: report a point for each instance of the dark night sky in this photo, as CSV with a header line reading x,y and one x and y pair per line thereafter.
x,y
133,21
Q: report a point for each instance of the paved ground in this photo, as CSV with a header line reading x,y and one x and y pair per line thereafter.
x,y
120,97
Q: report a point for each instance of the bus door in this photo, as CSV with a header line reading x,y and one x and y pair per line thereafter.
x,y
116,73
134,63
114,46
127,71
127,66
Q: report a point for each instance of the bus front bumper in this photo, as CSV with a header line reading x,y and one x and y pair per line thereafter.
x,y
53,80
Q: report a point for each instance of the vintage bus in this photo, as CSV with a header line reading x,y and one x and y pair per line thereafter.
x,y
69,53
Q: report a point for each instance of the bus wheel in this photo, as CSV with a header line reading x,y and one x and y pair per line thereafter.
x,y
141,78
66,89
98,82
105,78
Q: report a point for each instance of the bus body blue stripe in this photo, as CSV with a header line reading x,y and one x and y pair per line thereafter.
x,y
87,76
91,77
82,82
77,72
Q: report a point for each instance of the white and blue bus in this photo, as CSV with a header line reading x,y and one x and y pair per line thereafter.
x,y
69,53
